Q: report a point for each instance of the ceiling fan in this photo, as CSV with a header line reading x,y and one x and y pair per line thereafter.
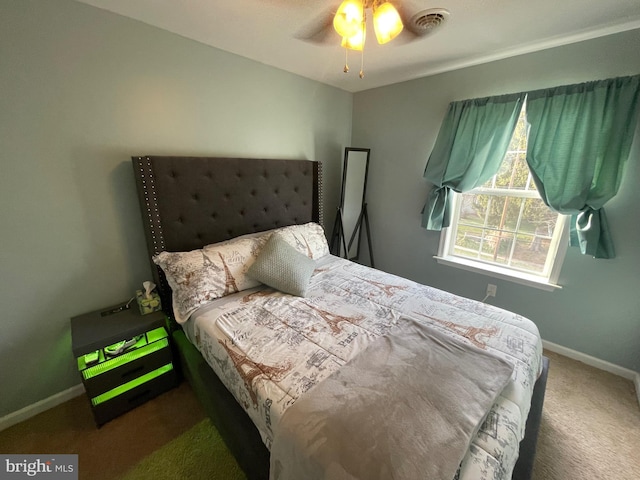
x,y
390,19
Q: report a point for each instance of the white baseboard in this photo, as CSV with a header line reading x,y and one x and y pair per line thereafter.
x,y
39,407
597,363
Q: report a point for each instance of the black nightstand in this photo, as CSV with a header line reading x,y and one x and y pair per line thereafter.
x,y
117,382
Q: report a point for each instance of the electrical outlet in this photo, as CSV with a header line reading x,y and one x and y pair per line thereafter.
x,y
491,290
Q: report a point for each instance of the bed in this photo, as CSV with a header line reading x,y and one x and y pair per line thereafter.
x,y
189,203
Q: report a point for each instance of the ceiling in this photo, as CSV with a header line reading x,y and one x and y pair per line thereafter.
x,y
287,34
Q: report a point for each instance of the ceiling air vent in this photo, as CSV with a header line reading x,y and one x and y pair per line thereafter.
x,y
426,22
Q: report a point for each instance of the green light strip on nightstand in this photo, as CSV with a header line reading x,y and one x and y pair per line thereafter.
x,y
131,385
124,358
156,334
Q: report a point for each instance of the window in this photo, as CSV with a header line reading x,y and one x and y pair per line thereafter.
x,y
504,228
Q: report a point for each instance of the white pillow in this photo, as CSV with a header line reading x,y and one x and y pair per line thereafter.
x,y
200,276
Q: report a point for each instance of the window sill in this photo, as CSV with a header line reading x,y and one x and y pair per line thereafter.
x,y
497,272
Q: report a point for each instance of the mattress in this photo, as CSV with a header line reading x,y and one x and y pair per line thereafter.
x,y
269,348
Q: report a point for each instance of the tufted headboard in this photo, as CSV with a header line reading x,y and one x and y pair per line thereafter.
x,y
190,202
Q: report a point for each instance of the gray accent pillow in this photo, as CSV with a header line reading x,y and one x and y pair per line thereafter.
x,y
281,266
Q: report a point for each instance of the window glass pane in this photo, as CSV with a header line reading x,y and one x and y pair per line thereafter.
x,y
504,230
530,253
520,174
473,209
506,169
495,207
498,212
468,241
538,218
498,247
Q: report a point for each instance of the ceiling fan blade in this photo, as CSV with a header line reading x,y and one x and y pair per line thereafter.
x,y
319,30
406,9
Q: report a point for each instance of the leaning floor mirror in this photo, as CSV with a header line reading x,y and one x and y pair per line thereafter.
x,y
352,220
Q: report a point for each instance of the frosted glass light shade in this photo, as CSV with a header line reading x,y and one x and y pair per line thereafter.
x,y
386,23
348,19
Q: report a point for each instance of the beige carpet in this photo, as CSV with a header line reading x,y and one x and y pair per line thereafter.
x,y
590,425
590,430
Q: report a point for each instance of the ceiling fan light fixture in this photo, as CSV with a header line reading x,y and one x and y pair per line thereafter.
x,y
350,23
386,22
349,17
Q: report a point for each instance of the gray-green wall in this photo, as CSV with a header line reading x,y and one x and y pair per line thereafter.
x,y
598,310
81,91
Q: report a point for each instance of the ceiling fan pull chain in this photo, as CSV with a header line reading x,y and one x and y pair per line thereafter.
x,y
346,60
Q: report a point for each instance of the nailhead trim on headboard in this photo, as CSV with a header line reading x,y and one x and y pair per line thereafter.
x,y
320,194
151,221
151,202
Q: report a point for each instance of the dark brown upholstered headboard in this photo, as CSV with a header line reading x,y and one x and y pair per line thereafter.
x,y
190,202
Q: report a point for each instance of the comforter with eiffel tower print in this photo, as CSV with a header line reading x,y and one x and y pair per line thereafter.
x,y
270,348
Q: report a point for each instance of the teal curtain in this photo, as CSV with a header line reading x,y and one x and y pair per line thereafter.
x,y
579,141
470,147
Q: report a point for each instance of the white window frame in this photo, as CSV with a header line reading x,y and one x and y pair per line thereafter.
x,y
548,282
